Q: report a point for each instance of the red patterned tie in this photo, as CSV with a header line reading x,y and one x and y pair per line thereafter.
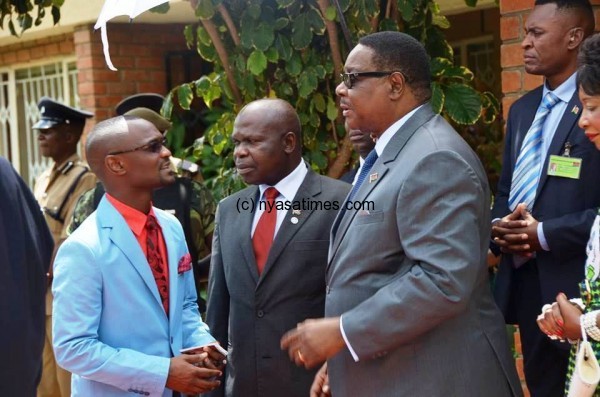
x,y
156,262
265,230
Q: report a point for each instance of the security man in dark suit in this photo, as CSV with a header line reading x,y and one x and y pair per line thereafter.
x,y
25,252
190,201
57,190
362,144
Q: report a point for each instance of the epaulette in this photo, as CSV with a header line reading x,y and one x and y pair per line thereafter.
x,y
67,167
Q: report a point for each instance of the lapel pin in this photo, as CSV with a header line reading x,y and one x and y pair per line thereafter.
x,y
294,220
295,212
575,109
373,177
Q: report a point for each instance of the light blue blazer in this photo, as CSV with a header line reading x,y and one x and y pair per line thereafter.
x,y
109,327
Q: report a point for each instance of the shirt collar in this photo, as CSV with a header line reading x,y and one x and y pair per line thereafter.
x,y
564,91
136,220
288,186
388,134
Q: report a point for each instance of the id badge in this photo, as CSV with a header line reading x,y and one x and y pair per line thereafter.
x,y
565,167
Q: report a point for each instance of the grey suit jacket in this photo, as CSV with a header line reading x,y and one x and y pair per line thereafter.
x,y
250,314
410,278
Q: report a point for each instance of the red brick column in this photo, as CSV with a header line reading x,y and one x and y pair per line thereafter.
x,y
137,51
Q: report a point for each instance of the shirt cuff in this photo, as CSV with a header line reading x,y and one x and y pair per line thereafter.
x,y
542,238
354,355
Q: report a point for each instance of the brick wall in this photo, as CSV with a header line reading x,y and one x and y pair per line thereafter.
x,y
137,51
515,82
26,51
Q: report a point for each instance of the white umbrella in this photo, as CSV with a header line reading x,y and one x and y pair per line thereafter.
x,y
115,8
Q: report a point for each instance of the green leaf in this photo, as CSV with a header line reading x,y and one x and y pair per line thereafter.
x,y
439,65
281,23
11,27
301,33
458,72
316,21
330,13
257,62
189,35
319,102
203,36
284,47
25,21
272,55
254,11
332,110
176,136
491,107
167,106
57,3
205,9
407,9
285,3
471,3
55,14
440,21
307,83
437,97
185,96
294,66
263,37
463,104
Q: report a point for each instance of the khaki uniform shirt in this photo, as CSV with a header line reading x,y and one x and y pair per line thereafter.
x,y
52,190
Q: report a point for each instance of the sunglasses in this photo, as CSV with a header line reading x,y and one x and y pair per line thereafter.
x,y
350,78
152,147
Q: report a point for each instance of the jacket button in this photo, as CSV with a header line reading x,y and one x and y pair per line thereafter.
x,y
260,314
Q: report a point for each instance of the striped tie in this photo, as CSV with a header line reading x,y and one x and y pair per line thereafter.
x,y
529,163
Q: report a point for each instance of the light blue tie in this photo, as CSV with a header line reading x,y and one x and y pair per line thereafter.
x,y
529,163
367,165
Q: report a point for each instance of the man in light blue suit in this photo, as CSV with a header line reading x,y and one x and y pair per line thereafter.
x,y
124,295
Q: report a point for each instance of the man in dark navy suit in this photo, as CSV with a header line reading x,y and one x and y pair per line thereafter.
x,y
25,251
542,218
363,143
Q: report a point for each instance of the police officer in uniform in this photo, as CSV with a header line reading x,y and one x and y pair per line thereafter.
x,y
57,190
190,201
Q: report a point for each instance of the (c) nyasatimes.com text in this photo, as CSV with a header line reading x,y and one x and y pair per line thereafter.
x,y
248,204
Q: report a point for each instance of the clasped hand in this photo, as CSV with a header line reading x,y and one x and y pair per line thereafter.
x,y
516,233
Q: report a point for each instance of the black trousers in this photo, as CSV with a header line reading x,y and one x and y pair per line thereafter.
x,y
545,360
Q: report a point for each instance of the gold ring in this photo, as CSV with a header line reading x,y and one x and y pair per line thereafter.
x,y
300,356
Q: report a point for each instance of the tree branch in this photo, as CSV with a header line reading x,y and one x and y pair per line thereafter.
x,y
332,33
211,29
230,25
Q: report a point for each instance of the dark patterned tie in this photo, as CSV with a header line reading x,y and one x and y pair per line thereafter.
x,y
366,168
156,262
265,230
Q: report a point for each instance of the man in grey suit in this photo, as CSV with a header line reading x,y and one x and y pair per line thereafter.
x,y
269,255
409,311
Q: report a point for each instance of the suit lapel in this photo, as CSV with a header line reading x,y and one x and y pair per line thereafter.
x,y
245,225
122,237
390,153
566,124
525,120
309,188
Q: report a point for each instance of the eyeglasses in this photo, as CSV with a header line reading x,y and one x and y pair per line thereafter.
x,y
152,147
350,78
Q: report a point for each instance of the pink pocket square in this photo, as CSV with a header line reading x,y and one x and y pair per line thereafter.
x,y
185,263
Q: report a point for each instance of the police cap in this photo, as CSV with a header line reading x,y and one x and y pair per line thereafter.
x,y
54,113
147,100
159,121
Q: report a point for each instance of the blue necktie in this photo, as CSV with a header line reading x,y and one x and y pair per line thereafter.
x,y
364,171
529,163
